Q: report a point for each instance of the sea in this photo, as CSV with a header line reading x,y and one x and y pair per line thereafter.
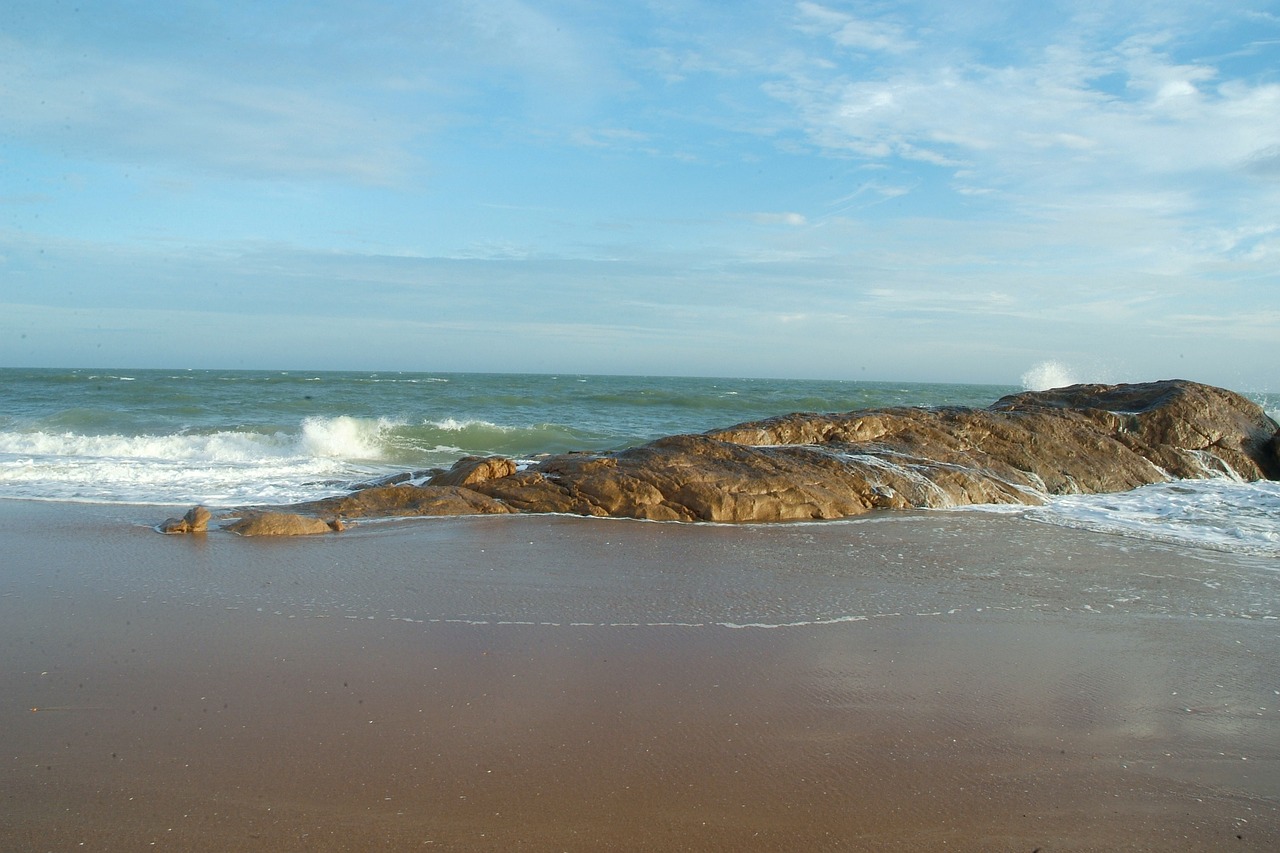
x,y
226,438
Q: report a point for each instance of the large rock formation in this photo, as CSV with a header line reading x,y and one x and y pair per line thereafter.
x,y
1082,439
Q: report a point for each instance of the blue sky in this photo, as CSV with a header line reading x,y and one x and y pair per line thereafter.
x,y
917,191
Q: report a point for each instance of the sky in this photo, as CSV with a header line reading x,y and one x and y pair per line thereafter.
x,y
925,191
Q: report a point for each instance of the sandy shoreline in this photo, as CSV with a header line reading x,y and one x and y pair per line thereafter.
x,y
945,681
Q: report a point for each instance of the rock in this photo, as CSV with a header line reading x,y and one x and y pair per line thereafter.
x,y
393,479
195,521
1021,449
535,491
198,517
474,469
402,500
1187,428
1084,439
279,524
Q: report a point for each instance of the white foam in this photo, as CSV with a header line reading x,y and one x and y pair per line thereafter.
x,y
1219,513
456,425
926,491
213,447
344,437
219,468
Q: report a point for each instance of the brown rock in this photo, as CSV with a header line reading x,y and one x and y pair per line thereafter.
x,y
534,491
195,521
402,500
198,517
1187,428
279,524
1082,439
474,469
175,525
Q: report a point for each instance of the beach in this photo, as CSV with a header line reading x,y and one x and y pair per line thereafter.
x,y
959,681
665,426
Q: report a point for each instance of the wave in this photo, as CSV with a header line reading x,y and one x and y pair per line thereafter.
x,y
231,447
344,437
481,437
257,464
1216,514
220,468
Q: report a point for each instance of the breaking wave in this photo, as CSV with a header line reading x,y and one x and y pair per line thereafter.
x,y
225,467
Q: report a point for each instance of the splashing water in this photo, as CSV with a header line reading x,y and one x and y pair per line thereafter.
x,y
1048,374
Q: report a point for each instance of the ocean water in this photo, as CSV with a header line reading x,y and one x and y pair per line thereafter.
x,y
226,438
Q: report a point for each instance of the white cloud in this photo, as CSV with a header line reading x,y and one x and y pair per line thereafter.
x,y
258,91
1043,124
979,181
98,106
855,33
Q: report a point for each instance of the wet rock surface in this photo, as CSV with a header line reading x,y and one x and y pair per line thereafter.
x,y
283,524
196,520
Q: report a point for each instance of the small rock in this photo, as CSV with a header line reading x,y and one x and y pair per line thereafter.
x,y
195,521
279,524
470,470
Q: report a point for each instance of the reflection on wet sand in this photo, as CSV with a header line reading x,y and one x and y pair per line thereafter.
x,y
972,686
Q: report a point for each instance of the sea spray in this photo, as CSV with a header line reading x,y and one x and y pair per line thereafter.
x,y
344,437
1051,373
1048,374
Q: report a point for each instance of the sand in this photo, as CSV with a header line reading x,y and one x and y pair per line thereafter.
x,y
949,681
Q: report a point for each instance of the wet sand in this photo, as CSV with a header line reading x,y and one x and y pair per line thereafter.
x,y
935,682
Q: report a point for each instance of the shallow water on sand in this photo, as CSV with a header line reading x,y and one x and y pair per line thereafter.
x,y
930,681
559,570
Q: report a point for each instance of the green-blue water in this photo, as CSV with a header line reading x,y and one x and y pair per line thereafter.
x,y
227,437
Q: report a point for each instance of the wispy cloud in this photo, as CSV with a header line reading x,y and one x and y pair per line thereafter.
x,y
961,183
792,219
846,30
97,106
1076,117
342,94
